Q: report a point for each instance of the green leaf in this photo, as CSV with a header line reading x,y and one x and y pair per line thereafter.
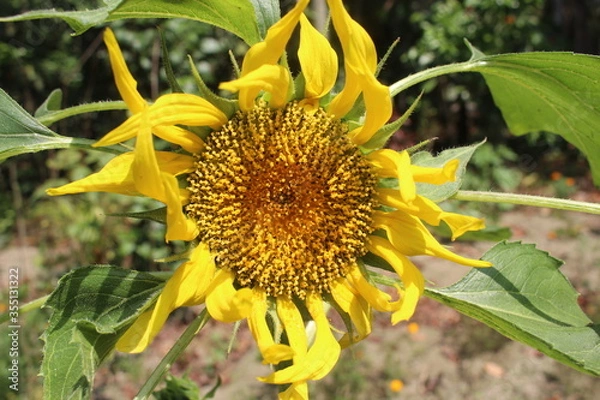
x,y
79,21
553,92
178,389
92,307
235,16
20,133
525,297
440,193
267,13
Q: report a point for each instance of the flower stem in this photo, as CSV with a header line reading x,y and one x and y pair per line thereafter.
x,y
32,305
178,348
528,200
411,80
54,116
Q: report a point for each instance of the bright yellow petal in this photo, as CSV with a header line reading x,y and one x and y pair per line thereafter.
x,y
186,287
360,57
360,62
435,176
272,353
411,238
321,356
296,391
318,61
224,302
117,177
378,106
179,226
356,307
271,49
125,83
273,79
396,164
413,281
379,300
167,111
188,141
290,317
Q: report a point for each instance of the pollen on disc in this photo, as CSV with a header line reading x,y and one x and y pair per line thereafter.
x,y
283,199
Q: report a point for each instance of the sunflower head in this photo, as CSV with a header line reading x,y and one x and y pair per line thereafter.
x,y
282,200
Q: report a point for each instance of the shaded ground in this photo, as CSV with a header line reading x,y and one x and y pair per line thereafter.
x,y
449,357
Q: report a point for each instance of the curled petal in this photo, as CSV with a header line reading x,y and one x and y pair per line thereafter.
x,y
318,61
224,302
435,176
356,307
168,110
270,50
125,82
360,61
272,353
431,213
396,164
293,324
117,176
273,79
296,391
321,356
379,300
186,287
411,237
413,281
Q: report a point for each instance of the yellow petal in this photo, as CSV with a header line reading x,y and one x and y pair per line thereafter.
x,y
413,281
296,391
271,49
188,141
360,56
411,238
186,287
321,356
293,324
356,307
272,353
379,300
378,106
360,62
179,226
273,79
125,83
146,172
435,176
396,164
224,302
168,110
318,61
117,177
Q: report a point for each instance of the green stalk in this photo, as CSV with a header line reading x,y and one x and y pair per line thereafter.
x,y
24,309
528,200
178,348
54,116
430,73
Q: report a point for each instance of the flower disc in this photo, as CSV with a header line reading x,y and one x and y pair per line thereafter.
x,y
283,199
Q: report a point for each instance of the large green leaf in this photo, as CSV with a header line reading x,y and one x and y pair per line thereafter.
x,y
525,297
554,92
91,307
234,16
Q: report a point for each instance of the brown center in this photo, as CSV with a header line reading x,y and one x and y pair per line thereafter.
x,y
283,199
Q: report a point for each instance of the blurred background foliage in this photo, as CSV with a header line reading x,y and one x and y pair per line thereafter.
x,y
37,57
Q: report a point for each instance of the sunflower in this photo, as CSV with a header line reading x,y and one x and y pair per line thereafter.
x,y
283,199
